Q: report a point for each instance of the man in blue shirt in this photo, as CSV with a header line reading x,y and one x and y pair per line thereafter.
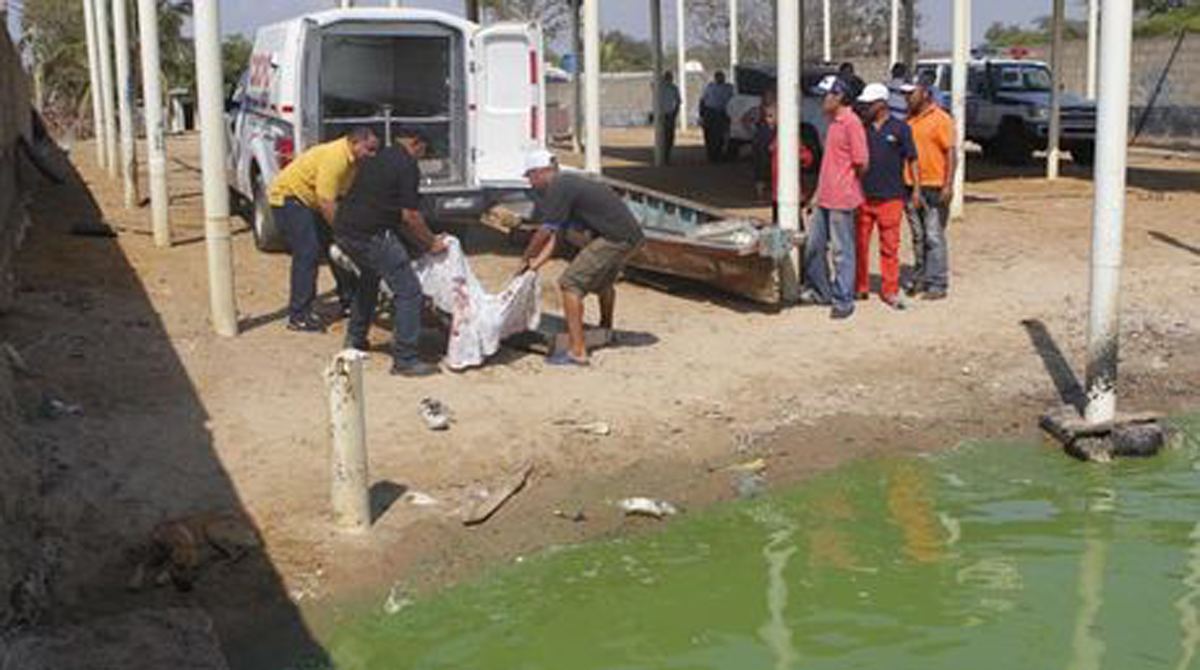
x,y
890,145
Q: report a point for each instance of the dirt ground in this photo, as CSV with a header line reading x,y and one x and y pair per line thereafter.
x,y
176,420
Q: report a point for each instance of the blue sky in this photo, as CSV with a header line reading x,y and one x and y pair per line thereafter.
x,y
632,17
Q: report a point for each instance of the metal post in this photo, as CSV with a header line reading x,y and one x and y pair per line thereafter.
x,y
894,44
207,30
910,35
346,4
733,35
962,51
472,10
591,70
93,53
394,3
577,80
1093,44
1108,210
827,27
656,60
1054,143
350,489
129,175
156,146
681,43
788,138
104,43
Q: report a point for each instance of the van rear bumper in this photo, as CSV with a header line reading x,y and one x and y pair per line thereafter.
x,y
458,204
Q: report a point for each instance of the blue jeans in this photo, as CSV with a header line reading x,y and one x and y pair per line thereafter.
x,y
836,228
384,257
931,253
309,239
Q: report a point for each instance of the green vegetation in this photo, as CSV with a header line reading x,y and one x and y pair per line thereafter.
x,y
1154,18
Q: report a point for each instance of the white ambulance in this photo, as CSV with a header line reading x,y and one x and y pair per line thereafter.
x,y
477,94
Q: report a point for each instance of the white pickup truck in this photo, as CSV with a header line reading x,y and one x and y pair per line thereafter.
x,y
477,94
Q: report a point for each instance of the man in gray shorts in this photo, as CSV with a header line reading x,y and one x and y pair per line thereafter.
x,y
574,201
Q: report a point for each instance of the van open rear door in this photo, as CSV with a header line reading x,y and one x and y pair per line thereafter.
x,y
510,101
308,97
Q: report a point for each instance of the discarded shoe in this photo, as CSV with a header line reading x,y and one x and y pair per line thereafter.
x,y
435,414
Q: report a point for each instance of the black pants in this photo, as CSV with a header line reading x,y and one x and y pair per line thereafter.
x,y
384,257
309,240
670,119
716,134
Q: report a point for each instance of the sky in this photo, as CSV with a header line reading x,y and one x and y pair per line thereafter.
x,y
245,15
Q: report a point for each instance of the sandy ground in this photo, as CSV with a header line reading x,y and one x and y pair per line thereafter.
x,y
178,421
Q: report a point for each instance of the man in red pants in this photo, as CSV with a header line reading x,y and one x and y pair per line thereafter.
x,y
891,150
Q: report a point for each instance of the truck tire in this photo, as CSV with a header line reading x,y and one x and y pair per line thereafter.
x,y
1013,146
1084,154
262,222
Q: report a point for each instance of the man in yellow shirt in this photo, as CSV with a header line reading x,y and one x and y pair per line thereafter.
x,y
304,200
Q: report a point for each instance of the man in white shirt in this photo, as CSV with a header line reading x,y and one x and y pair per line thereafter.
x,y
714,116
670,111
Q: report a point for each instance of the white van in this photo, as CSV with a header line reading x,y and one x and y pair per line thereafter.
x,y
477,93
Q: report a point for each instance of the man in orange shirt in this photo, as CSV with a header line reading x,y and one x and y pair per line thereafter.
x,y
928,207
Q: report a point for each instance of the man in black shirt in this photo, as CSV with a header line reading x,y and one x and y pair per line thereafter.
x,y
380,226
575,201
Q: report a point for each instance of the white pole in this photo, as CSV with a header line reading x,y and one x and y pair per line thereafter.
x,y
350,489
962,50
1054,143
394,3
656,62
1093,43
733,35
1108,210
211,108
104,43
894,46
591,72
152,97
129,174
788,139
577,122
827,26
93,52
681,42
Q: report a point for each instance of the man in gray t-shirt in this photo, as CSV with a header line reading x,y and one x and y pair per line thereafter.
x,y
574,201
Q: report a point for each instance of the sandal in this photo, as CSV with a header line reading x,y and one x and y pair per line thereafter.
x,y
565,359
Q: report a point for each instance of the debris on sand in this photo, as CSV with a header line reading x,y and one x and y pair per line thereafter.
x,y
577,516
487,503
598,428
180,550
435,413
53,408
419,499
655,509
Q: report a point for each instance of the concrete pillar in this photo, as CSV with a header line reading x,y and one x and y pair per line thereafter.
x,y
681,42
1054,144
962,57
1108,210
129,169
733,35
93,53
591,52
910,35
656,59
472,10
350,485
213,152
107,82
1093,44
827,28
156,145
577,122
788,133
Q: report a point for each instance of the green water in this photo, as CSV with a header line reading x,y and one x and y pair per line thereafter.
x,y
990,556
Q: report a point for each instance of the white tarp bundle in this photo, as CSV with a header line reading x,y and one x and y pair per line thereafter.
x,y
479,320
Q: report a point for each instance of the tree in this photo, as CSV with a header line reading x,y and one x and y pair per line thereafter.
x,y
621,53
235,58
554,15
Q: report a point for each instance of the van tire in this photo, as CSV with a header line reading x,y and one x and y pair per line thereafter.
x,y
262,222
1013,146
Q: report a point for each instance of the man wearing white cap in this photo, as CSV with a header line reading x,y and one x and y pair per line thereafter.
x,y
891,149
573,201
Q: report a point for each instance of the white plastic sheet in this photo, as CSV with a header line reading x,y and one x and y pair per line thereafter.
x,y
479,320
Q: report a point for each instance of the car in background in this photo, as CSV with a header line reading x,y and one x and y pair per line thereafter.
x,y
752,82
1008,109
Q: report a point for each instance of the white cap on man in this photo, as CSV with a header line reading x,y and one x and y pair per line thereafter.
x,y
539,159
874,93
